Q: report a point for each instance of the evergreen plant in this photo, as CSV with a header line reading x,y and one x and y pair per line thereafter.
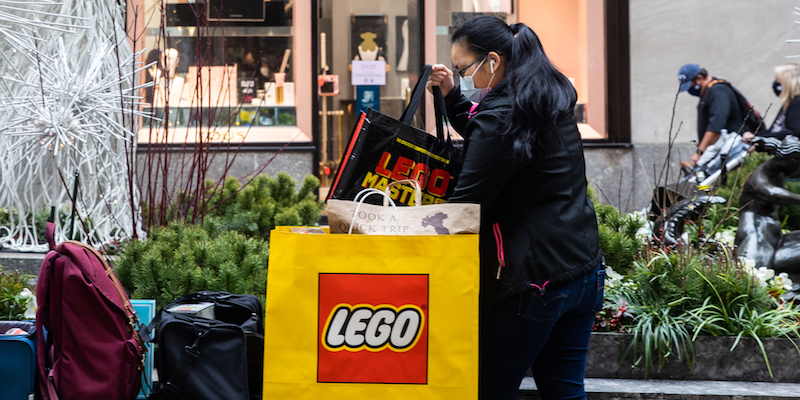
x,y
179,259
262,204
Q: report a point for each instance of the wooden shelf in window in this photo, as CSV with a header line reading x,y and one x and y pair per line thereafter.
x,y
227,31
232,135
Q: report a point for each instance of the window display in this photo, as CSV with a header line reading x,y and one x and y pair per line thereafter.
x,y
370,55
223,70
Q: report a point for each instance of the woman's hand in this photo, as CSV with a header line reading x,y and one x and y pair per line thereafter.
x,y
441,76
747,137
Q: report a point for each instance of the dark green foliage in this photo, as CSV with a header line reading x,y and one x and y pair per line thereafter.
x,y
227,252
618,237
287,119
689,277
178,259
262,204
681,292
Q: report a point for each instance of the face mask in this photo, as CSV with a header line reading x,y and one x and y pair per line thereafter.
x,y
694,90
469,90
777,88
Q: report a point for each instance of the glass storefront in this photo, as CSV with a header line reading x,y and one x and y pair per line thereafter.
x,y
351,34
572,33
277,71
225,71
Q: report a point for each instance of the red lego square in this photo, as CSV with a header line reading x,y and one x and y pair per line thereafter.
x,y
373,328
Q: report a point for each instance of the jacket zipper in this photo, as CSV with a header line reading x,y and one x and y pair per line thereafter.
x,y
501,257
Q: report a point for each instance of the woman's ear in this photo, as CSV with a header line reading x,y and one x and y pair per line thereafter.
x,y
494,61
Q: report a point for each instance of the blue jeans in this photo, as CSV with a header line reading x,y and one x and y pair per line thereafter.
x,y
545,330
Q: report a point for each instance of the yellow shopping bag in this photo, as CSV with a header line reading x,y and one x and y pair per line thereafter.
x,y
371,317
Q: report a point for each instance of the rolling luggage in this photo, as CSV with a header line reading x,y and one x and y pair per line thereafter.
x,y
17,360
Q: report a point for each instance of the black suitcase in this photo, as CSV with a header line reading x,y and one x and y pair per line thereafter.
x,y
209,359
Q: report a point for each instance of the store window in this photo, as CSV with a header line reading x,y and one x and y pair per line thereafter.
x,y
585,39
572,33
352,34
225,72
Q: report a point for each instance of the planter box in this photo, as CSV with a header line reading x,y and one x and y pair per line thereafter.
x,y
713,360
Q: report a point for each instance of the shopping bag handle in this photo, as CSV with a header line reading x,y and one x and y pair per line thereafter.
x,y
438,104
441,114
362,196
412,182
416,96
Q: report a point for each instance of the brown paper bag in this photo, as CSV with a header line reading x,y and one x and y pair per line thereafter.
x,y
345,216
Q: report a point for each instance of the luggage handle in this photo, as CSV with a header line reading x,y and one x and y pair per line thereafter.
x,y
362,196
412,182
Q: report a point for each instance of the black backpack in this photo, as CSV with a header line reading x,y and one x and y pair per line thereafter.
x,y
754,122
209,359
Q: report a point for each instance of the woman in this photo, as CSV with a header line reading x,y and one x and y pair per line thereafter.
x,y
787,88
541,275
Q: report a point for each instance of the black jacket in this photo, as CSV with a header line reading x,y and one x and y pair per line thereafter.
x,y
718,109
790,122
547,225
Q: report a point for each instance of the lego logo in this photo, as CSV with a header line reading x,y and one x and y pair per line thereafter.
x,y
373,328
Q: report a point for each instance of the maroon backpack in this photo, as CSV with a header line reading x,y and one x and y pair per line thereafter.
x,y
91,350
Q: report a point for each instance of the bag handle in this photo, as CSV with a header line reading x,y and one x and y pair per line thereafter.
x,y
412,182
172,388
362,196
441,114
438,103
416,96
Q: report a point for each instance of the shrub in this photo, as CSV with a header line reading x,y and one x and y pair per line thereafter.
x,y
181,259
262,204
618,236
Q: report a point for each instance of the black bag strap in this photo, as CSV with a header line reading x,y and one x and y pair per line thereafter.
x,y
416,96
744,106
438,104
441,114
145,331
189,356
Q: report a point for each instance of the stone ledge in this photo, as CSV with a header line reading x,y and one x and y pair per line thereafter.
x,y
713,360
607,389
28,262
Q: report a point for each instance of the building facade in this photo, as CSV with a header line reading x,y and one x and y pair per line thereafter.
x,y
297,69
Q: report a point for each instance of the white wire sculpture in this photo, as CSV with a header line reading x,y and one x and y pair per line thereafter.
x,y
795,12
68,106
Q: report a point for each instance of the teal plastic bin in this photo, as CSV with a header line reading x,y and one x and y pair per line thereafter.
x,y
17,361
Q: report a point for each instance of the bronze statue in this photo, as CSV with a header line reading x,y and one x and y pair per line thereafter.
x,y
759,235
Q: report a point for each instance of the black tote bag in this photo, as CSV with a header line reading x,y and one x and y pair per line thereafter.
x,y
383,150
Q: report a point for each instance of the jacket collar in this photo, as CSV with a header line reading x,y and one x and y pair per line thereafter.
x,y
499,96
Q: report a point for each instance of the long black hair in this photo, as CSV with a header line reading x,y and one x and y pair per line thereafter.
x,y
542,93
